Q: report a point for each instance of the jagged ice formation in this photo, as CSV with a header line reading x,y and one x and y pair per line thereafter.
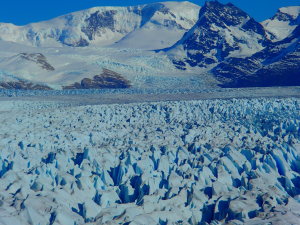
x,y
189,162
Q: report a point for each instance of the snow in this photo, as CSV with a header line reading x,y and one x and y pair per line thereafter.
x,y
126,48
5,77
251,41
117,23
162,30
174,162
283,28
144,69
119,42
292,10
146,39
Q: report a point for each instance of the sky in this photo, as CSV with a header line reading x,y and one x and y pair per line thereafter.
x,y
21,12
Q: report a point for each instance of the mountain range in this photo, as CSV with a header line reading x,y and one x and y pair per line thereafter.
x,y
146,45
164,23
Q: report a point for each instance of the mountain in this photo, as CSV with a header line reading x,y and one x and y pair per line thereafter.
x,y
221,31
276,65
191,47
141,68
163,25
282,23
239,51
103,26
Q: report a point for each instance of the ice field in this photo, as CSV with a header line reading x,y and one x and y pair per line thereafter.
x,y
230,161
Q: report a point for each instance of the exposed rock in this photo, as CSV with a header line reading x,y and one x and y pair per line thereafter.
x,y
81,43
276,65
97,22
39,59
107,79
23,85
220,30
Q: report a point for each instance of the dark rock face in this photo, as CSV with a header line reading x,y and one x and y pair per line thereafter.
x,y
39,59
221,15
23,85
98,21
80,43
209,41
224,29
254,26
66,34
276,65
107,79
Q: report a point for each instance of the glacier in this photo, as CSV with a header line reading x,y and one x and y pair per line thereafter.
x,y
234,161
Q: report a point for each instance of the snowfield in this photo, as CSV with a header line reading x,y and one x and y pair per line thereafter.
x,y
233,161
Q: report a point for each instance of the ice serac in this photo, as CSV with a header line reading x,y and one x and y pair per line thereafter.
x,y
221,31
233,161
103,26
276,65
282,24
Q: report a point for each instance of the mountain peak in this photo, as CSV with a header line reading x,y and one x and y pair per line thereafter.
x,y
282,24
293,11
104,26
227,15
221,30
290,14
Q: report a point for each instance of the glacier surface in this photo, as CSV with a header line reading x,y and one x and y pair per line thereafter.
x,y
231,161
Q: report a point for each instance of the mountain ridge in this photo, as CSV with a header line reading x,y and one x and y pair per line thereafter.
x,y
100,26
283,22
219,43
237,50
220,30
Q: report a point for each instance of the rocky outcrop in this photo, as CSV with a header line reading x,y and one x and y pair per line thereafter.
x,y
107,79
23,85
276,65
39,59
97,21
239,51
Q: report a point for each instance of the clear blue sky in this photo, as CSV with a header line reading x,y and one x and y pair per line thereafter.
x,y
21,12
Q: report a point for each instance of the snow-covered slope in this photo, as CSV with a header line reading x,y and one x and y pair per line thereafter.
x,y
221,31
102,26
283,23
144,69
166,26
197,162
